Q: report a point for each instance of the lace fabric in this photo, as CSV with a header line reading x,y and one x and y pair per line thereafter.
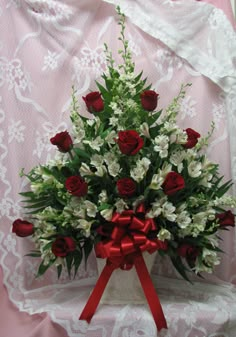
x,y
57,44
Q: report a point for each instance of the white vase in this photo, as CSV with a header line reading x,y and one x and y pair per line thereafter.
x,y
124,285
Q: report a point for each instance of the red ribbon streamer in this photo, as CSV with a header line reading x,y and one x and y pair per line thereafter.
x,y
147,285
123,249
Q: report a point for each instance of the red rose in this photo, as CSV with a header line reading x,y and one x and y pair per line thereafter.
x,y
149,100
162,245
126,187
94,102
173,183
192,138
22,228
129,142
77,186
226,219
63,141
186,250
63,245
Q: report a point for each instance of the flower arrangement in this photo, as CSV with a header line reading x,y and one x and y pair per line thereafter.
x,y
126,179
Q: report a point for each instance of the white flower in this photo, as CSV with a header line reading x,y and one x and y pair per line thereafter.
x,y
199,223
210,258
78,134
183,219
157,181
91,208
194,169
90,122
96,160
164,234
120,205
102,197
85,226
109,158
114,169
139,172
101,171
161,145
113,121
176,159
168,210
144,130
85,170
181,136
156,207
35,187
95,144
107,213
110,138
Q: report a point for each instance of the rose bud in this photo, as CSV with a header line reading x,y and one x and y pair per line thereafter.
x,y
226,219
149,100
126,187
162,245
129,142
63,245
22,228
94,102
63,141
192,138
188,251
76,185
173,183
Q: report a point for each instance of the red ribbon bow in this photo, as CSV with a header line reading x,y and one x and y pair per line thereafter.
x,y
123,248
129,236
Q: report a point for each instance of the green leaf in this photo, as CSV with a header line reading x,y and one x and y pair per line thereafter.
x,y
59,270
33,254
88,246
77,260
43,268
179,266
69,262
81,153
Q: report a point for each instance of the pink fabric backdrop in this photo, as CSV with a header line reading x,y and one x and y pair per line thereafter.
x,y
14,323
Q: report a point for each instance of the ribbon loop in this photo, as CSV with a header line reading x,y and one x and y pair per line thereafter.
x,y
123,248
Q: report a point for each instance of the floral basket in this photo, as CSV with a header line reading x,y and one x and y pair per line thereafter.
x,y
125,181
